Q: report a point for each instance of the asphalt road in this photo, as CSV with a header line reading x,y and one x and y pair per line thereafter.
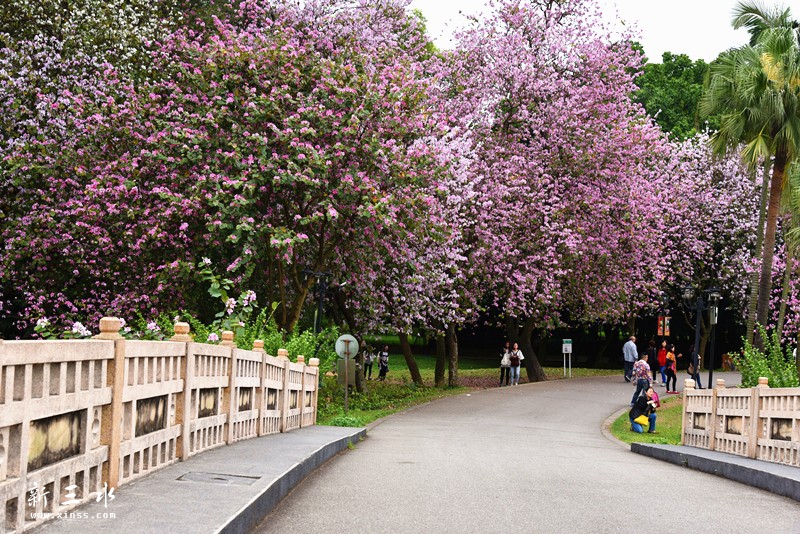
x,y
530,458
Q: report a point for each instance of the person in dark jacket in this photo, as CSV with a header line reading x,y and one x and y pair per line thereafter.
x,y
644,405
383,363
695,362
652,358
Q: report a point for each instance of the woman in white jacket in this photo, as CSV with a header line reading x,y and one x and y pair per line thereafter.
x,y
505,364
515,357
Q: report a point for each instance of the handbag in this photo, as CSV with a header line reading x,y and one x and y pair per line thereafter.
x,y
642,420
690,370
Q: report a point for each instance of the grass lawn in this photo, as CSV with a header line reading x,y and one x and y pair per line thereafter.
x,y
398,392
668,425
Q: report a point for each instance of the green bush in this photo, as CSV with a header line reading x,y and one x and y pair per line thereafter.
x,y
346,420
773,362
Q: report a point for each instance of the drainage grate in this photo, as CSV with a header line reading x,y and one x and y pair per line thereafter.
x,y
217,478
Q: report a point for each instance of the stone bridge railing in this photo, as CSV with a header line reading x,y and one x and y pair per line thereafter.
x,y
760,423
78,417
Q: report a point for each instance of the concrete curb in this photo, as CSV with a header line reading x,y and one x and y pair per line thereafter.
x,y
605,428
261,505
776,478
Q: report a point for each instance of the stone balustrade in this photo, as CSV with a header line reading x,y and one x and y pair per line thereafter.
x,y
78,417
761,422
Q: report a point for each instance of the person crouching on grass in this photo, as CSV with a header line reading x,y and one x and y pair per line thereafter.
x,y
644,409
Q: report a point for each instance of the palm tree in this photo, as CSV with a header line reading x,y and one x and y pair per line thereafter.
x,y
756,91
792,243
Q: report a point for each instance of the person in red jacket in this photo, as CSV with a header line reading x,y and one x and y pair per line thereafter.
x,y
662,362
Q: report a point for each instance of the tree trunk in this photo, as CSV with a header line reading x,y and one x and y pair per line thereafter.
x,y
770,232
405,346
600,356
753,301
532,366
512,330
441,360
292,313
452,349
631,325
347,313
797,355
787,278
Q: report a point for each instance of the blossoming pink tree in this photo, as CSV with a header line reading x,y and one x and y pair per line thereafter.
x,y
273,136
563,167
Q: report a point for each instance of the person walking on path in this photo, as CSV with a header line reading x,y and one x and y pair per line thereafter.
x,y
662,362
694,369
641,374
671,370
368,359
383,362
515,359
629,355
505,364
653,358
644,406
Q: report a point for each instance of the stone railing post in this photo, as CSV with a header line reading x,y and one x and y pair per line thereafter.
x,y
111,428
720,383
227,339
711,423
183,408
752,442
688,384
314,362
301,359
260,401
228,400
283,355
181,332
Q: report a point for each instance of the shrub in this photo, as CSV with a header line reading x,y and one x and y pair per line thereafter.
x,y
773,362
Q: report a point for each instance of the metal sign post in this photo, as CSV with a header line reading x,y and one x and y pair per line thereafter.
x,y
346,347
566,348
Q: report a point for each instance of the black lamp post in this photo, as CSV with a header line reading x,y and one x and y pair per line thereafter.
x,y
711,303
320,289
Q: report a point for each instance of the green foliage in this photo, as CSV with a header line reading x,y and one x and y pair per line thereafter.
x,y
668,425
346,420
670,92
773,362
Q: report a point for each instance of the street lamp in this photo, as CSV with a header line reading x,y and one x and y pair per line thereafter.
x,y
711,303
320,289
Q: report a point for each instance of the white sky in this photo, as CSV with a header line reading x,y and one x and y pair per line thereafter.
x,y
700,29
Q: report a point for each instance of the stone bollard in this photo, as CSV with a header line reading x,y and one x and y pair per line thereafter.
x,y
258,345
109,328
301,359
227,339
688,384
720,383
313,362
181,332
763,382
283,354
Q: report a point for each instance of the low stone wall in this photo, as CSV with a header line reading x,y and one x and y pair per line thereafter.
x,y
761,423
81,417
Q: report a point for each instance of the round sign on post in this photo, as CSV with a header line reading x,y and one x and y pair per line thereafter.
x,y
346,347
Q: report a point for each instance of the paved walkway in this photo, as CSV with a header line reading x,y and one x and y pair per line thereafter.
x,y
531,458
